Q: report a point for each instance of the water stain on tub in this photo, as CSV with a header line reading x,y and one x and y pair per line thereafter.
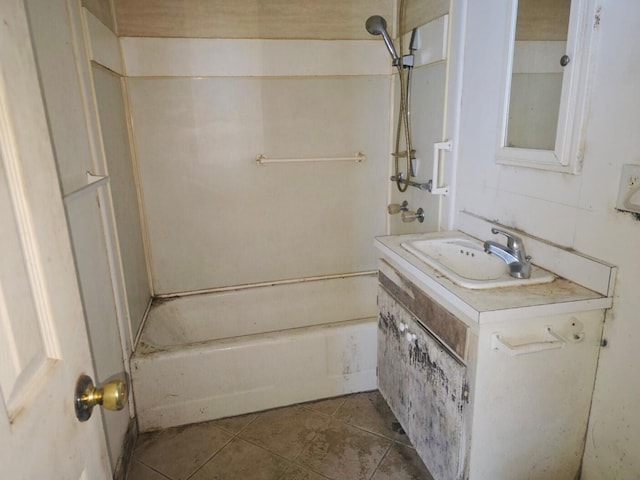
x,y
350,356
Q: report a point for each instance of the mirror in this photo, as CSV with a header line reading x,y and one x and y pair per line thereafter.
x,y
547,59
540,42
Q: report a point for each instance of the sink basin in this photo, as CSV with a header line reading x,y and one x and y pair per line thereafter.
x,y
463,261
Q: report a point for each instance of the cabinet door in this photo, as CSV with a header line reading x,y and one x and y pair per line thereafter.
x,y
425,387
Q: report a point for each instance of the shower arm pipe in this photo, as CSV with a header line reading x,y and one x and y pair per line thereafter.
x,y
359,157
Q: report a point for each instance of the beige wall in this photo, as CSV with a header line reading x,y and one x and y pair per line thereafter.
x,y
543,20
274,19
102,9
419,12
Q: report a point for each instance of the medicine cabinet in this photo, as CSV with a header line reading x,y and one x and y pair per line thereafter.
x,y
547,70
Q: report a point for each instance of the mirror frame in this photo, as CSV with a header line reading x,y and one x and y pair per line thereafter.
x,y
568,153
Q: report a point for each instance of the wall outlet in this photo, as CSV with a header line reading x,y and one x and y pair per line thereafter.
x,y
629,190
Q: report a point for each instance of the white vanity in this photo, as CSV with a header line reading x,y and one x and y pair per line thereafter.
x,y
491,383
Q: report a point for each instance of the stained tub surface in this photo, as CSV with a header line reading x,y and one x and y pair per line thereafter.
x,y
215,355
193,319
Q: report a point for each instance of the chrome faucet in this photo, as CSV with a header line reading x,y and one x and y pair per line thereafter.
x,y
513,254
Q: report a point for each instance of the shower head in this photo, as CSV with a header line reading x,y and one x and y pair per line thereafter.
x,y
376,25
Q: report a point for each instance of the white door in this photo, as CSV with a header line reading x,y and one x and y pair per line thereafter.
x,y
43,341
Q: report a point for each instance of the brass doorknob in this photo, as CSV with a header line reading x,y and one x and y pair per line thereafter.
x,y
112,396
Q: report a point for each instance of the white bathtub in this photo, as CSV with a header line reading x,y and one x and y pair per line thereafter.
x,y
214,355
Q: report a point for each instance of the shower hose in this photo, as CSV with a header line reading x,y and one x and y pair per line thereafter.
x,y
404,120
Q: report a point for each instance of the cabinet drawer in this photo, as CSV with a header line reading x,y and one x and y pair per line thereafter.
x,y
445,326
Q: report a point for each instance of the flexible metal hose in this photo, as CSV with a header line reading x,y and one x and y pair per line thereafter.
x,y
404,112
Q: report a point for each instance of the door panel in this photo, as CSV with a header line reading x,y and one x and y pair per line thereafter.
x,y
61,55
29,340
42,333
424,386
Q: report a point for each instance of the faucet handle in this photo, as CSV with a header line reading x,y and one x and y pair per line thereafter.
x,y
394,208
410,216
514,242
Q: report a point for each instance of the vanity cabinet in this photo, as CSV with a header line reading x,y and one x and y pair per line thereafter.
x,y
505,395
424,384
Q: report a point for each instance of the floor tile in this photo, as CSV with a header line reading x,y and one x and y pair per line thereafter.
x,y
344,438
299,473
370,412
242,460
344,452
328,406
139,471
402,463
234,424
178,452
285,431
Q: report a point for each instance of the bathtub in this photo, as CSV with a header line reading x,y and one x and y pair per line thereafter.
x,y
215,355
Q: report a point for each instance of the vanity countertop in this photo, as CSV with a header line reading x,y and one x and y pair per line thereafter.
x,y
561,296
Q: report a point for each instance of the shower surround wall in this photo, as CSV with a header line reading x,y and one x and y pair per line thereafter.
x,y
428,94
203,108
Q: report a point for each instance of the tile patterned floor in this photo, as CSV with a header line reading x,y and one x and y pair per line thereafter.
x,y
355,437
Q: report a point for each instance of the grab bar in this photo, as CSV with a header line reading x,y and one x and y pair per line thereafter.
x,y
497,343
263,160
436,188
